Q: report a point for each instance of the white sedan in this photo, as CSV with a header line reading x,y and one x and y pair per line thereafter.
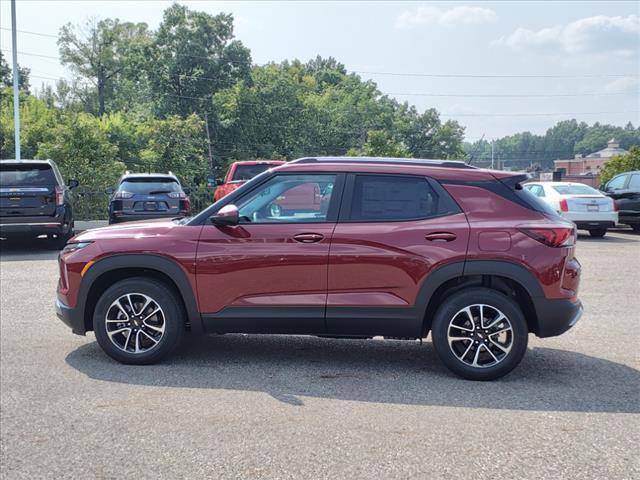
x,y
588,208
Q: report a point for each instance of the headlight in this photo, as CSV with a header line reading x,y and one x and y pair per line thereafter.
x,y
72,247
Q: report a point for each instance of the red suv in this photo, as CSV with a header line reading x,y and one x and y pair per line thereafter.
x,y
397,248
241,172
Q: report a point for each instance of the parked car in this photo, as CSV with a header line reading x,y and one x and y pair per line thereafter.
x,y
404,247
241,172
35,201
585,206
625,191
143,196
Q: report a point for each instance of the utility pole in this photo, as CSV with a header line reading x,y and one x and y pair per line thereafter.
x,y
206,126
16,81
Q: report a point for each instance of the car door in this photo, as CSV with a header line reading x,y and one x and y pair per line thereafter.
x,y
617,189
394,231
269,272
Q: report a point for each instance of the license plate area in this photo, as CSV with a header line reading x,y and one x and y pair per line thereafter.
x,y
150,206
593,208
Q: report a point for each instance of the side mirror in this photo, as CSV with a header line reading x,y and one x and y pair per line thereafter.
x,y
227,216
186,190
602,187
73,183
108,190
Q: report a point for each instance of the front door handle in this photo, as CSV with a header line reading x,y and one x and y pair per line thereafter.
x,y
308,237
440,236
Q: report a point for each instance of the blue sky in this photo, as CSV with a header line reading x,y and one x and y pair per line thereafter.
x,y
574,48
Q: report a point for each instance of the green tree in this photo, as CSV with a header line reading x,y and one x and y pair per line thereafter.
x,y
193,56
105,53
380,143
6,76
79,145
620,164
174,144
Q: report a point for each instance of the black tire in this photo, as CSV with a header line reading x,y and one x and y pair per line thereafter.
x,y
598,232
635,227
166,299
473,296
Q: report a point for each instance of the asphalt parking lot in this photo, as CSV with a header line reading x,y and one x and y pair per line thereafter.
x,y
238,406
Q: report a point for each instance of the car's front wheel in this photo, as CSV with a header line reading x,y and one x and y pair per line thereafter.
x,y
138,321
479,333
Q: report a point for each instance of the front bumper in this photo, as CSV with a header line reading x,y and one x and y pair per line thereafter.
x,y
556,316
71,317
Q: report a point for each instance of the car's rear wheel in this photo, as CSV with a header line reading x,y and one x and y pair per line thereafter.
x,y
138,321
635,227
480,334
598,232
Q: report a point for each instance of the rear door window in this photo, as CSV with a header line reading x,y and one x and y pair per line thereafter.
x,y
396,198
634,183
24,175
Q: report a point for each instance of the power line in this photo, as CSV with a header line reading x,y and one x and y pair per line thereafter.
x,y
461,95
411,74
32,33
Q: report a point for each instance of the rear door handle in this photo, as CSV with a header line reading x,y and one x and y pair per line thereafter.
x,y
440,236
308,237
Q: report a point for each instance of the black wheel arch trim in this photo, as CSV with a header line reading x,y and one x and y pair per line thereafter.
x,y
147,261
501,268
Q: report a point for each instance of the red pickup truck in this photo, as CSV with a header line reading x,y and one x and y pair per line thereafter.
x,y
240,172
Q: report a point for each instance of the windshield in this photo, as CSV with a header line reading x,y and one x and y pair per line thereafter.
x,y
147,185
247,172
16,175
575,190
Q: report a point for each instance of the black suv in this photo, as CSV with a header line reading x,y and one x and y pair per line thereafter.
x,y
624,188
34,200
143,196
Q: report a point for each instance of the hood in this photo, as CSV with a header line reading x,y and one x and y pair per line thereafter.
x,y
143,229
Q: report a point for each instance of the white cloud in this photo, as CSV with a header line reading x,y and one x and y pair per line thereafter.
x,y
622,85
430,15
599,34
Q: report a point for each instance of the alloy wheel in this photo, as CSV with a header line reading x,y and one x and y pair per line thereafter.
x,y
135,323
480,336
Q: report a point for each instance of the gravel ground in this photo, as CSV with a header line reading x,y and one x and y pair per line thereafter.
x,y
239,406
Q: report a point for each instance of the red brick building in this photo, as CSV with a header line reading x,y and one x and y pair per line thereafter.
x,y
592,163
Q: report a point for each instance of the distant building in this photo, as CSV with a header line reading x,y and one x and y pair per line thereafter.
x,y
592,163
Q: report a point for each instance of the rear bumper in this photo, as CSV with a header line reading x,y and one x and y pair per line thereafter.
x,y
556,316
16,226
70,317
125,217
592,220
594,225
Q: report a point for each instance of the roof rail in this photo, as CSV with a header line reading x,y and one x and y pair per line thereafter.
x,y
386,161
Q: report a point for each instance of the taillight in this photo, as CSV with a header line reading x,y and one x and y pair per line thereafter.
x,y
59,196
615,205
552,236
564,207
123,195
177,195
185,205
